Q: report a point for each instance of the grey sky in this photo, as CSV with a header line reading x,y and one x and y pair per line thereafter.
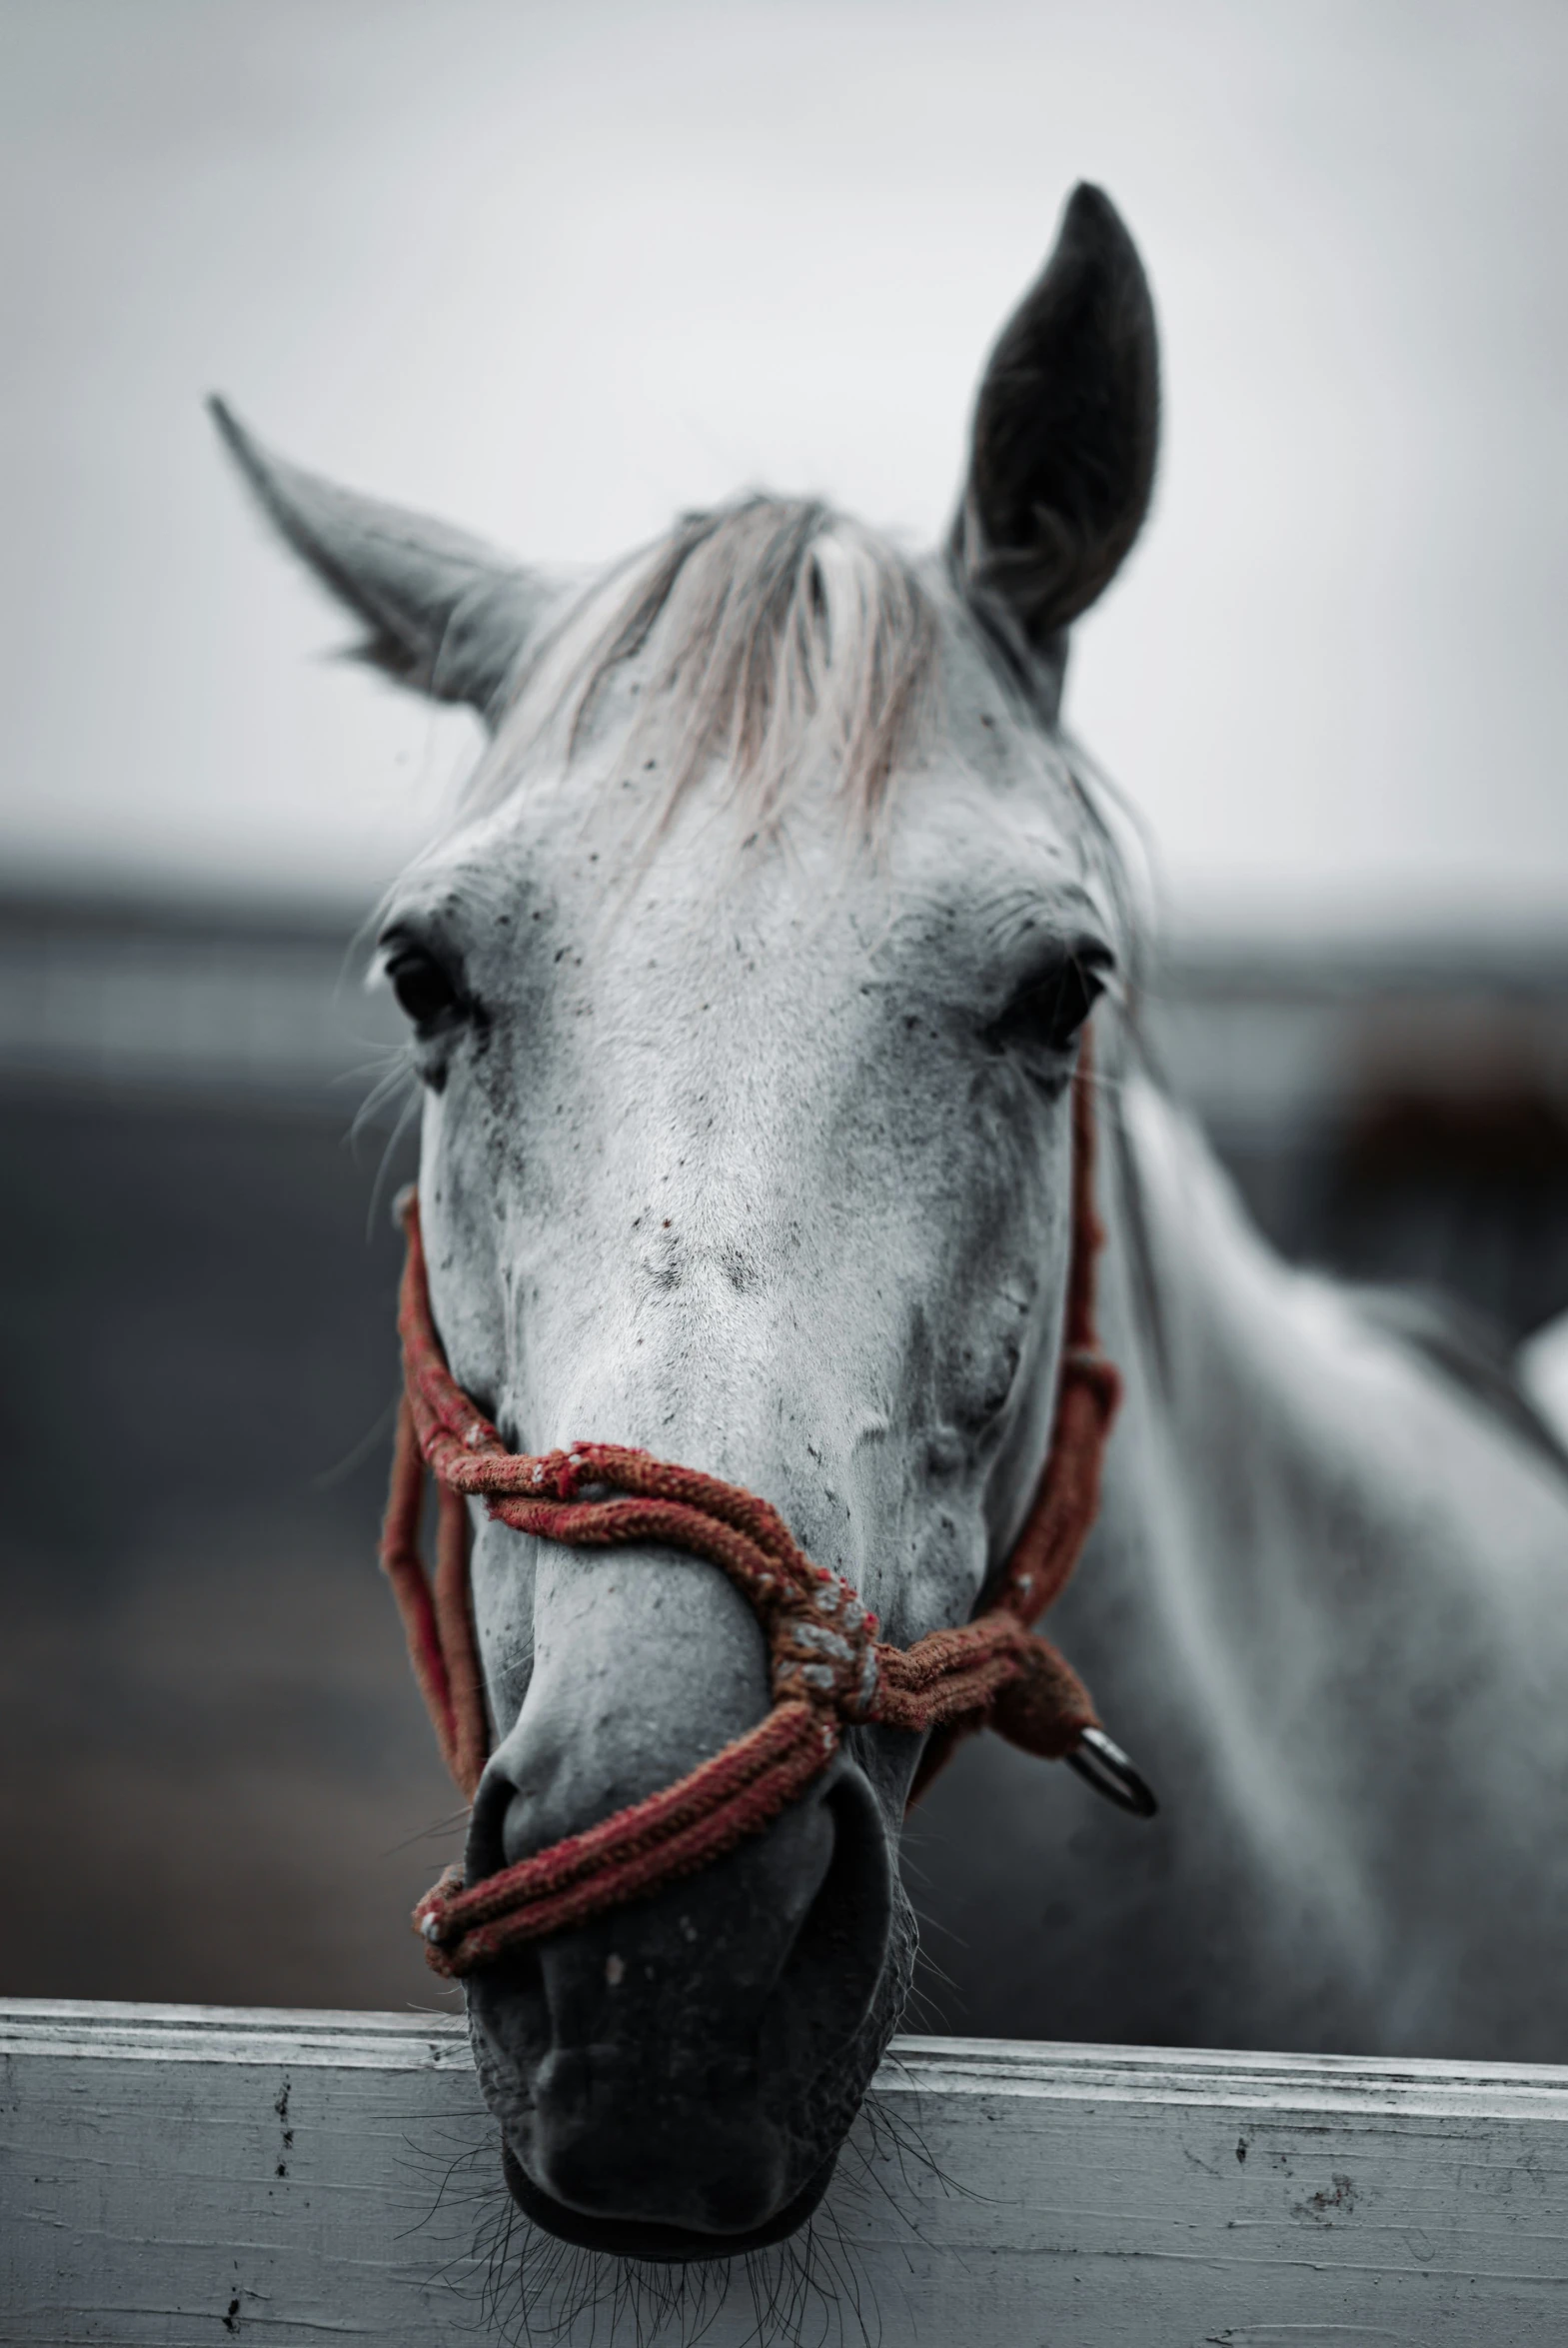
x,y
556,272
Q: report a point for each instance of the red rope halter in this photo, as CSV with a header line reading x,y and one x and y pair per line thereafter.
x,y
827,1668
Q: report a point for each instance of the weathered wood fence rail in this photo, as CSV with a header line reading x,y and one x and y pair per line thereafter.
x,y
174,2175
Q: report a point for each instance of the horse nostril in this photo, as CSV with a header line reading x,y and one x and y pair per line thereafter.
x,y
841,1944
485,1852
506,1999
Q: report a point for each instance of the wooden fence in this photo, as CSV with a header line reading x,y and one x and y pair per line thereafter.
x,y
181,2175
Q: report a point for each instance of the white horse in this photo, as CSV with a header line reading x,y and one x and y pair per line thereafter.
x,y
746,998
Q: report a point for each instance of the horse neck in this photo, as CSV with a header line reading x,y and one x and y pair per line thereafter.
x,y
1337,1566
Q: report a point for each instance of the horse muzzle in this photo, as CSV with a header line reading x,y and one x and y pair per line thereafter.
x,y
673,2079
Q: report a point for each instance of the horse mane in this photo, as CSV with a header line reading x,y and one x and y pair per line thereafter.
x,y
1466,1350
1446,1338
782,636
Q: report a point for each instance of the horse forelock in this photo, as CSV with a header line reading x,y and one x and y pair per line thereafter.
x,y
775,641
769,638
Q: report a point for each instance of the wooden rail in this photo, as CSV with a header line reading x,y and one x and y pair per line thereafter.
x,y
173,2175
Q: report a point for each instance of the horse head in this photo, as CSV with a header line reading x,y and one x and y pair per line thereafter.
x,y
746,996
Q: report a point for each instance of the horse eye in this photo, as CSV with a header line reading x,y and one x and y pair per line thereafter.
x,y
1049,1012
425,992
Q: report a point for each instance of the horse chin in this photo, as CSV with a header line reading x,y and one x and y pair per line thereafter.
x,y
649,2239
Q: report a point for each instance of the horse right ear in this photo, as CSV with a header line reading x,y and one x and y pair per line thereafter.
x,y
442,611
1066,431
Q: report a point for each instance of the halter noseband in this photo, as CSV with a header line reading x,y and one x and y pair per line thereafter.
x,y
827,1668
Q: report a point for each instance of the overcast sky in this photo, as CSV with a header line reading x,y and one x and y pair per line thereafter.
x,y
557,272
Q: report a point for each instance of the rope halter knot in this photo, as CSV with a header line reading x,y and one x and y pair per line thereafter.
x,y
828,1669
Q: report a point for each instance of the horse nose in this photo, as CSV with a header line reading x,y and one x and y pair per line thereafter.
x,y
674,2045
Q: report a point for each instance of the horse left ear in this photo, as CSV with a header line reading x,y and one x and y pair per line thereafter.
x,y
442,611
1066,431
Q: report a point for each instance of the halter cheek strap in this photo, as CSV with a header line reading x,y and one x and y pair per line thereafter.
x,y
827,1668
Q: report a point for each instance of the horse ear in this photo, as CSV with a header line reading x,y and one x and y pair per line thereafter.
x,y
1065,429
443,612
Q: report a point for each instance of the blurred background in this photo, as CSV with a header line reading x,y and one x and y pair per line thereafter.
x,y
556,273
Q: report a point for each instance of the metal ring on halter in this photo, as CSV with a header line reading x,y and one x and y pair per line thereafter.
x,y
1100,1762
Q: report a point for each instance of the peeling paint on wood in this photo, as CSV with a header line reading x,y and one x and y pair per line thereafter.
x,y
177,2175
